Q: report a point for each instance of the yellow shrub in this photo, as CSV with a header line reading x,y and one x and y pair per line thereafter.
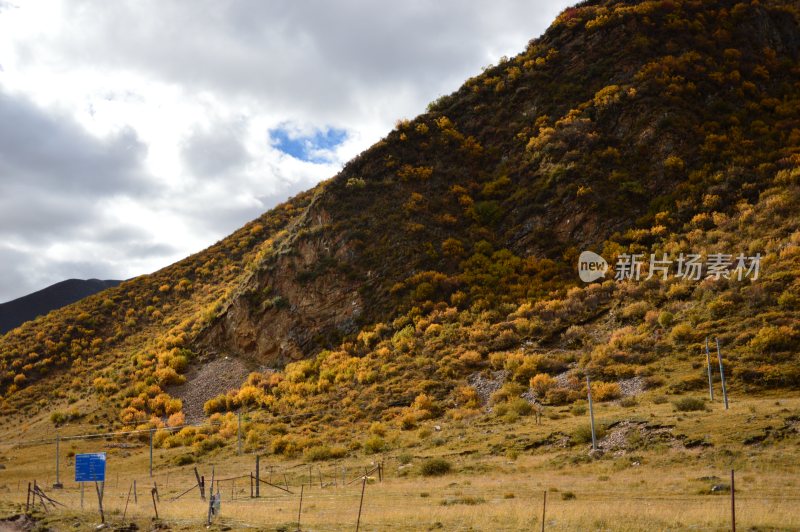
x,y
542,383
606,391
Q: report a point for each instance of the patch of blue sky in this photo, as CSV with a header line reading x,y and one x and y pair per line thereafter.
x,y
315,148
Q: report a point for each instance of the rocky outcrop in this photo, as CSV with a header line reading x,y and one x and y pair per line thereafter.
x,y
297,301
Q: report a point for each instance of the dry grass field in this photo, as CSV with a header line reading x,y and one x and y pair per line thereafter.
x,y
657,476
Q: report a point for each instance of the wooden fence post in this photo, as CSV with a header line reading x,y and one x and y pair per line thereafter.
x,y
544,509
200,484
258,476
153,493
733,502
125,512
100,501
300,510
361,504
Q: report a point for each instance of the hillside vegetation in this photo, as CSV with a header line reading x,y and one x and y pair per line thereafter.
x,y
445,255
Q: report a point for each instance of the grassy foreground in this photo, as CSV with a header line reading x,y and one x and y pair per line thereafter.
x,y
500,471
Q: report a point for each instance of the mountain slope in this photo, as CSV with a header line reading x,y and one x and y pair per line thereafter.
x,y
16,312
449,248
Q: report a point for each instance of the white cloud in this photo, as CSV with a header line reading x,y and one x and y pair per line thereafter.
x,y
140,130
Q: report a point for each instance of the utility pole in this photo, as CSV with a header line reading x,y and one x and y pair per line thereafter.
x,y
58,485
591,412
708,365
722,375
239,433
151,453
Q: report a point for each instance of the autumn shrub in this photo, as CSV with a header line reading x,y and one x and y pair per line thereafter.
x,y
59,418
177,419
682,333
771,339
605,391
634,311
378,429
407,421
318,453
467,396
289,446
543,383
558,396
425,406
507,392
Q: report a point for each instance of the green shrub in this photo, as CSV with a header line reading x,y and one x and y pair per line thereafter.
x,y
184,459
689,404
208,444
435,467
583,434
665,318
374,444
628,402
57,418
317,453
578,410
520,406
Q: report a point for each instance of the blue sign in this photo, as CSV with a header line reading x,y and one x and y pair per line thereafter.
x,y
90,467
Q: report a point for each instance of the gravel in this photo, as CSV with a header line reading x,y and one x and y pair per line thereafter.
x,y
631,387
206,381
486,386
616,439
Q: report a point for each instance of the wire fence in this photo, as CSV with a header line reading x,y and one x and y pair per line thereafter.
x,y
332,495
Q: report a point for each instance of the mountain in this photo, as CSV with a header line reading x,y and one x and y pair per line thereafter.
x,y
25,308
447,253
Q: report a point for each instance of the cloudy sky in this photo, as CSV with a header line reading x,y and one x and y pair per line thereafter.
x,y
134,133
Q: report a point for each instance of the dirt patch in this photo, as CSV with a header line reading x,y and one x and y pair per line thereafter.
x,y
485,386
631,387
208,380
17,523
624,436
554,440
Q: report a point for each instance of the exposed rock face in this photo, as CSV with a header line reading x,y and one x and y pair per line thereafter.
x,y
295,303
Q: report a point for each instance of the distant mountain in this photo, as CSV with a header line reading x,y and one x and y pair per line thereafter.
x,y
16,312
